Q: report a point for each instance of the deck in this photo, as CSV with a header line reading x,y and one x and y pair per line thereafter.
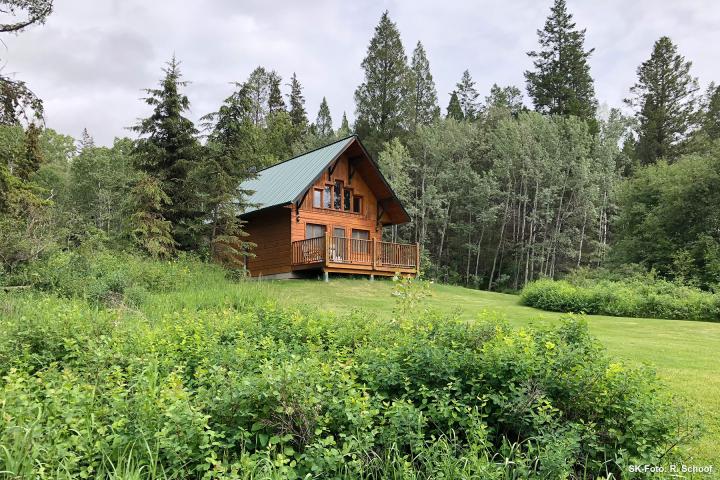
x,y
352,255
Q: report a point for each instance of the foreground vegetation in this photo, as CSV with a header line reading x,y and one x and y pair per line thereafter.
x,y
228,384
683,353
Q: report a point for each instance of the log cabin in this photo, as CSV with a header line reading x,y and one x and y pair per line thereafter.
x,y
323,212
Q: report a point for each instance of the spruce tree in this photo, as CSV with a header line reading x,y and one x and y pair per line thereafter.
x,y
344,130
298,115
422,94
454,110
33,156
323,123
664,101
710,121
561,83
167,151
467,96
380,99
227,162
86,141
275,98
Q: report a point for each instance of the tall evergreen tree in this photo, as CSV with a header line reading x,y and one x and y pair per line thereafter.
x,y
275,98
167,150
561,83
298,115
86,140
33,154
228,161
710,121
379,100
422,94
344,130
323,123
664,100
454,110
467,96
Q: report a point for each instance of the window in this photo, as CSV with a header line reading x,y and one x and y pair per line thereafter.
x,y
360,234
357,204
346,200
328,197
313,230
358,245
339,232
338,194
317,198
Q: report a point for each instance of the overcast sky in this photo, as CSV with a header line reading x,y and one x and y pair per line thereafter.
x,y
91,60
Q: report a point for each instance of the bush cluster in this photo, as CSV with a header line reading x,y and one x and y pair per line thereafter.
x,y
264,392
639,296
108,277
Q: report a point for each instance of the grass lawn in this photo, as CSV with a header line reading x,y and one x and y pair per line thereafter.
x,y
684,353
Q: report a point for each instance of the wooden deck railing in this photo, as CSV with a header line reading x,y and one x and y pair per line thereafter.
x,y
355,251
397,254
310,250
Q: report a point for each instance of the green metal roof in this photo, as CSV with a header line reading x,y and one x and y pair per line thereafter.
x,y
285,182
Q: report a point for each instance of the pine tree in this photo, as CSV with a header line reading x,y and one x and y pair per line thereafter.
x,y
86,141
710,122
150,230
380,99
167,151
561,83
323,123
422,94
454,110
275,98
298,115
664,99
33,157
344,130
467,96
226,164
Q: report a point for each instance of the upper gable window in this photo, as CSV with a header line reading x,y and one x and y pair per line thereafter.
x,y
357,205
317,198
346,199
328,197
338,195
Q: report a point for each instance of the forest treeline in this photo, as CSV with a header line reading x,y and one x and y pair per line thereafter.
x,y
499,193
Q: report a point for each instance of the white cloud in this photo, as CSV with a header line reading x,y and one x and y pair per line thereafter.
x,y
92,59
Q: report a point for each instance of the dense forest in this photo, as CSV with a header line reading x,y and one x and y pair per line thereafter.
x,y
500,193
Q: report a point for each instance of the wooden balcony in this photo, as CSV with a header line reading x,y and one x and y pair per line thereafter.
x,y
352,255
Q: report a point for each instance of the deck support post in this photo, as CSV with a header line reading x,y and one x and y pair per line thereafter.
x,y
372,277
326,276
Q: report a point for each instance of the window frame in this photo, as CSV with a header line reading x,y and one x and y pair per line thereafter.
x,y
317,195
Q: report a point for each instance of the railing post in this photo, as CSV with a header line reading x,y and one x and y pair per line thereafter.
x,y
374,253
417,258
327,248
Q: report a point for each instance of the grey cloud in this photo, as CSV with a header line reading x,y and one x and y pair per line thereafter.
x,y
93,58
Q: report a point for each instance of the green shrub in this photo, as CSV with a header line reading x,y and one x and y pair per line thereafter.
x,y
250,390
109,277
641,296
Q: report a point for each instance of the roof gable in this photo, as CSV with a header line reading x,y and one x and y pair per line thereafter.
x,y
286,182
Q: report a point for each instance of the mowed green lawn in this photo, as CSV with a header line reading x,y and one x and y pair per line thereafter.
x,y
685,354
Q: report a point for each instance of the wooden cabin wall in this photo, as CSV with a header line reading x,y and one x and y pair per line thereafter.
x,y
270,231
367,220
